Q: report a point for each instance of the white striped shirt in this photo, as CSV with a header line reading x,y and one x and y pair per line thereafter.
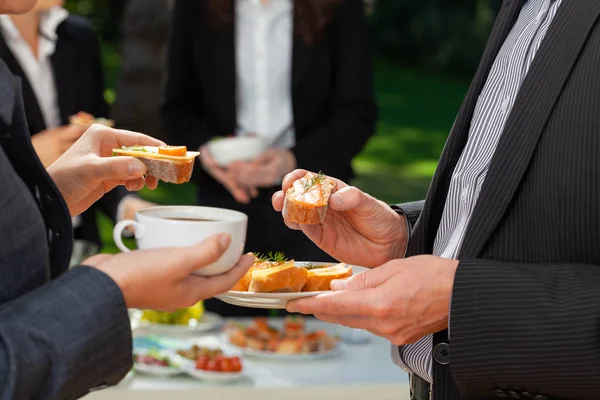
x,y
491,113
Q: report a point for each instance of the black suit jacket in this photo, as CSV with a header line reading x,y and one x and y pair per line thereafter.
x,y
62,333
332,92
80,86
526,305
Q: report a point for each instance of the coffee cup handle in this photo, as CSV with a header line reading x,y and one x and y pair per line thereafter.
x,y
118,233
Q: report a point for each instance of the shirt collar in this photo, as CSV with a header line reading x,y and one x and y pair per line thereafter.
x,y
49,22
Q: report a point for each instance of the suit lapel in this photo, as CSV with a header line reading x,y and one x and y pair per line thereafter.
x,y
426,228
35,120
539,93
64,64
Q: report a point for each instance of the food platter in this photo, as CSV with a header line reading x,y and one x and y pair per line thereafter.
x,y
209,322
171,368
269,355
270,300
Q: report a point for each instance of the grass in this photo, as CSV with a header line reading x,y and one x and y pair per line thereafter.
x,y
416,111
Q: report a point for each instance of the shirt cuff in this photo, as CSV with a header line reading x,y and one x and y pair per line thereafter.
x,y
408,227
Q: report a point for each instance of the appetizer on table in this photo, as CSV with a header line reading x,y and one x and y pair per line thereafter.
x,y
173,164
276,274
213,360
86,120
292,339
307,200
154,358
182,316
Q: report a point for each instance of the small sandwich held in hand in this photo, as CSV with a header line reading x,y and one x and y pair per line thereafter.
x,y
276,274
86,120
173,164
307,200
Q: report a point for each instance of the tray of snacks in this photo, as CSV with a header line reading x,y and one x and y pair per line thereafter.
x,y
274,280
292,342
189,320
210,364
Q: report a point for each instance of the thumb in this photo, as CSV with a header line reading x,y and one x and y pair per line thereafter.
x,y
119,168
363,280
351,198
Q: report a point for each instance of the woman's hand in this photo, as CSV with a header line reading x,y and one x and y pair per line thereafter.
x,y
241,193
358,229
52,143
162,278
266,171
87,170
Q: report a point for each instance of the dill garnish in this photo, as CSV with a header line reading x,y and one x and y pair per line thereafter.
x,y
272,257
315,180
313,266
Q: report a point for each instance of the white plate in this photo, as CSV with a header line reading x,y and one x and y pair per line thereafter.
x,y
269,355
211,376
156,370
269,300
210,321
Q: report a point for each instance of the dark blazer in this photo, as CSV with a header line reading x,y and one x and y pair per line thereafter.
x,y
332,92
62,333
80,86
525,307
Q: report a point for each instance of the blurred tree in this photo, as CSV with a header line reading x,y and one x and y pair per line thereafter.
x,y
446,35
104,14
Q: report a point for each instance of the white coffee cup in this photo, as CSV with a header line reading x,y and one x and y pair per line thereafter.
x,y
183,226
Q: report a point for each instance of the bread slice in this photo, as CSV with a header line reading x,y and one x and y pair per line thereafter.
x,y
319,278
306,201
172,169
284,278
244,284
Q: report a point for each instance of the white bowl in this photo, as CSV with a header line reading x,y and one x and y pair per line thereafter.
x,y
242,148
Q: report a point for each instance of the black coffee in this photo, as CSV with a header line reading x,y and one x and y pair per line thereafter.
x,y
190,219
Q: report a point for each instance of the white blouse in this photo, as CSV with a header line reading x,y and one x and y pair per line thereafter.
x,y
264,40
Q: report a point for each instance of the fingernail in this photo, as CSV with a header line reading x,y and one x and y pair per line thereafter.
x,y
225,240
136,168
339,284
336,200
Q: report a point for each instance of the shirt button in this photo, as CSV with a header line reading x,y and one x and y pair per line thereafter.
x,y
504,105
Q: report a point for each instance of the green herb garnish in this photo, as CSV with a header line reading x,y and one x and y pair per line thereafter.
x,y
315,180
134,148
272,257
313,266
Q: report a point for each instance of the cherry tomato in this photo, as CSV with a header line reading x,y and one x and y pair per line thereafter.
x,y
225,365
202,362
173,150
236,364
212,365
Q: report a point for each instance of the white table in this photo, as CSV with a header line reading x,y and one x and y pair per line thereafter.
x,y
363,372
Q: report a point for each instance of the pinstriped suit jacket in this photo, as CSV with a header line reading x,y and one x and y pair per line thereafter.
x,y
61,333
525,315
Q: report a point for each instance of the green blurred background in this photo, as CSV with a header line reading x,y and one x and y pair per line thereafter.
x,y
425,52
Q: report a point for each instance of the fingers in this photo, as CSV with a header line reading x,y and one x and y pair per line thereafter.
x,y
188,259
364,280
135,184
96,259
116,168
344,302
292,177
151,182
224,282
129,138
277,201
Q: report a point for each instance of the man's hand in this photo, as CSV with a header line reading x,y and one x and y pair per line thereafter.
x,y
358,228
241,193
265,171
402,301
86,171
52,143
161,279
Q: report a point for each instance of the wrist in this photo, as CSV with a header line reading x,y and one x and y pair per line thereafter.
x,y
400,246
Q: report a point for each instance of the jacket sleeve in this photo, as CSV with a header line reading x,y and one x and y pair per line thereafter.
x,y
411,211
526,327
64,338
353,112
182,107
